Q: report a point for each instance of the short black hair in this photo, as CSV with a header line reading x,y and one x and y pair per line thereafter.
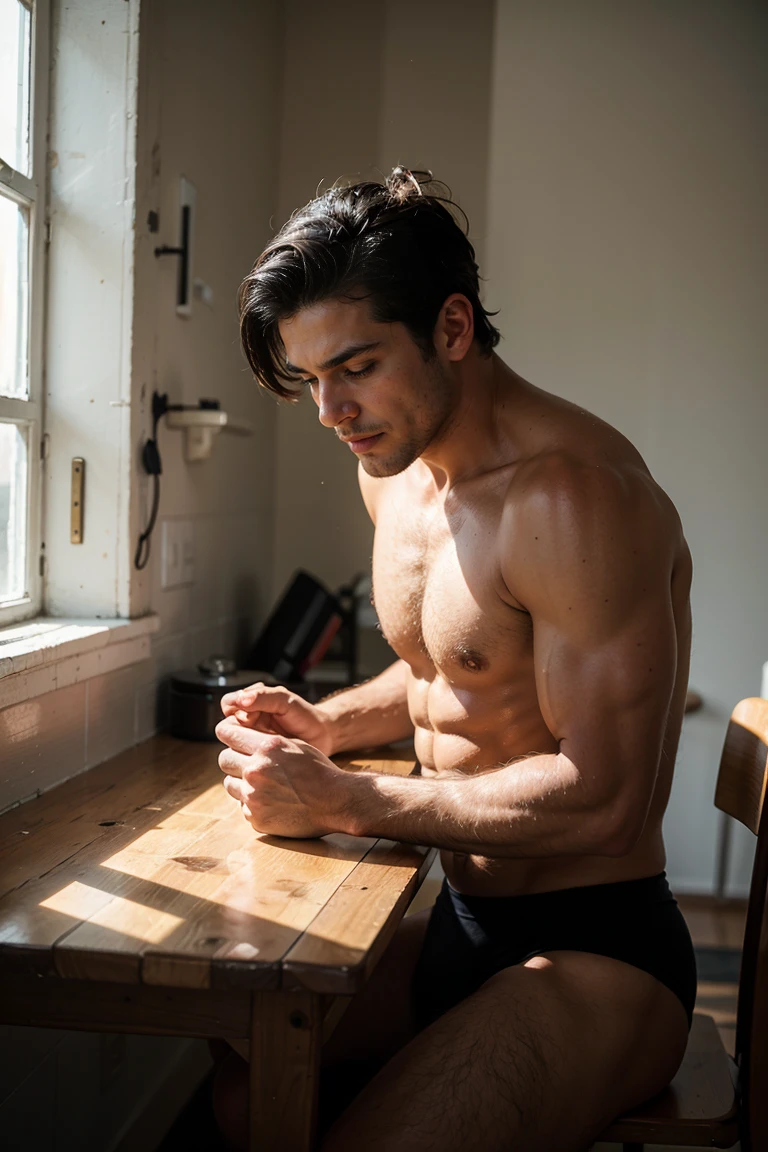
x,y
396,243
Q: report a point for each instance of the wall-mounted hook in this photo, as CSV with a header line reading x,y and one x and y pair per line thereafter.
x,y
183,249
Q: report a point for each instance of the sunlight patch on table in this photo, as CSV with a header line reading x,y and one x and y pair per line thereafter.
x,y
125,916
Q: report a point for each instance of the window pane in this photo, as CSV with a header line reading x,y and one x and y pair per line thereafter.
x,y
15,56
13,512
14,296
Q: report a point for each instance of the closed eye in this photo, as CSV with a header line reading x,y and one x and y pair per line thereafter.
x,y
360,374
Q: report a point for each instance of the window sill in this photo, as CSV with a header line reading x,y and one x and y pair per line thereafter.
x,y
38,656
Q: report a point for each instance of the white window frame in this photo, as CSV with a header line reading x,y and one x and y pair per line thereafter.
x,y
31,192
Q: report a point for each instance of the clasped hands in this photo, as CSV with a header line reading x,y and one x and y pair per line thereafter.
x,y
276,762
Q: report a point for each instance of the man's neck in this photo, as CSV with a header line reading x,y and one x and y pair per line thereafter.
x,y
476,436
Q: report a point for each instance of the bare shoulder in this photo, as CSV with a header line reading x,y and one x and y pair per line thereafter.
x,y
568,518
562,484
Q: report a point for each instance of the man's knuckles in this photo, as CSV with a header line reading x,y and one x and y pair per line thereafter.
x,y
246,739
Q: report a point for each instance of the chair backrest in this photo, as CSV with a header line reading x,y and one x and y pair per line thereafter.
x,y
741,787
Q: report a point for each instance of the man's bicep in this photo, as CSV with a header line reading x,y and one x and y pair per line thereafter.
x,y
606,698
598,587
607,705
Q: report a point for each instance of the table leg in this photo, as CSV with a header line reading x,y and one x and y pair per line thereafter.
x,y
286,1038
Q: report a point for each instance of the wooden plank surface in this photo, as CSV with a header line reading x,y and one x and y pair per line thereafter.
x,y
340,948
231,896
97,805
143,870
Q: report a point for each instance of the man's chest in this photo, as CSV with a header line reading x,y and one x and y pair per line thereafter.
x,y
438,590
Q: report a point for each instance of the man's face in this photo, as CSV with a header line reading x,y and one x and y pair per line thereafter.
x,y
370,382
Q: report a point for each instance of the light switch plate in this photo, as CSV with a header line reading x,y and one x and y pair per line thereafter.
x,y
187,543
177,553
170,555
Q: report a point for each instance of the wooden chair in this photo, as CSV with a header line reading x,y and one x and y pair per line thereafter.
x,y
715,1101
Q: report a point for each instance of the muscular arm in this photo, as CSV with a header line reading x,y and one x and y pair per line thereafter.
x,y
590,555
370,714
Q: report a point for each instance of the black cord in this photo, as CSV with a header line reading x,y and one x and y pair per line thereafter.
x,y
141,558
150,457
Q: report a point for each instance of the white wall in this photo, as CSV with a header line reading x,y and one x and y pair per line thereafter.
x,y
628,184
390,83
208,108
209,103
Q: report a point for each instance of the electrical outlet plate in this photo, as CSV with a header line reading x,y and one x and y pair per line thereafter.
x,y
187,542
177,553
169,555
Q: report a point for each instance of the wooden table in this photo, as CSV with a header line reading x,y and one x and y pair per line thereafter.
x,y
135,898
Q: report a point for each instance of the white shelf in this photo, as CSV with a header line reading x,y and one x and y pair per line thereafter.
x,y
200,427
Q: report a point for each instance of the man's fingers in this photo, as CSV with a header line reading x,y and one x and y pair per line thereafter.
x,y
259,721
248,740
236,791
230,701
258,698
235,788
233,763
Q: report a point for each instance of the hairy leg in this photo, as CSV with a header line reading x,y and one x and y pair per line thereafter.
x,y
377,1024
544,1055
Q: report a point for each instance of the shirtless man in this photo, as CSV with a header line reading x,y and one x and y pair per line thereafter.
x,y
534,581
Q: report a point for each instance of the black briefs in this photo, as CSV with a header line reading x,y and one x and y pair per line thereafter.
x,y
469,938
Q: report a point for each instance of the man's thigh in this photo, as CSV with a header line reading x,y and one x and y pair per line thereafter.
x,y
543,1056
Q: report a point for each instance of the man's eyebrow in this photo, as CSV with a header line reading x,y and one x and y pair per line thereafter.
x,y
335,361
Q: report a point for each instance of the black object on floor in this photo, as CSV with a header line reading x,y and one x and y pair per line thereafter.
x,y
194,1129
299,629
718,965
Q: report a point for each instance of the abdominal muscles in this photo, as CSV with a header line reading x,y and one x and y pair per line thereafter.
x,y
468,729
460,729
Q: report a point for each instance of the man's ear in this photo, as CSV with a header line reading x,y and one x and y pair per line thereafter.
x,y
455,327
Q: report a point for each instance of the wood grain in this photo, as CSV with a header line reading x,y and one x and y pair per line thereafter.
x,y
136,898
285,1070
148,873
345,940
389,760
134,1008
744,764
96,805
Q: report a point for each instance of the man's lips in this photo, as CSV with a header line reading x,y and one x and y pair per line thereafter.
x,y
362,444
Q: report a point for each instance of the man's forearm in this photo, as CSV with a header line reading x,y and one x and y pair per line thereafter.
x,y
372,713
534,807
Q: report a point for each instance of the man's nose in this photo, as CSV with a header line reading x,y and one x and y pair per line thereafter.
x,y
334,407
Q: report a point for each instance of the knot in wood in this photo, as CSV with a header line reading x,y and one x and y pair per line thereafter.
x,y
298,1020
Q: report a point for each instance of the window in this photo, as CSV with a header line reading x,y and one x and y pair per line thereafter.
x,y
23,126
